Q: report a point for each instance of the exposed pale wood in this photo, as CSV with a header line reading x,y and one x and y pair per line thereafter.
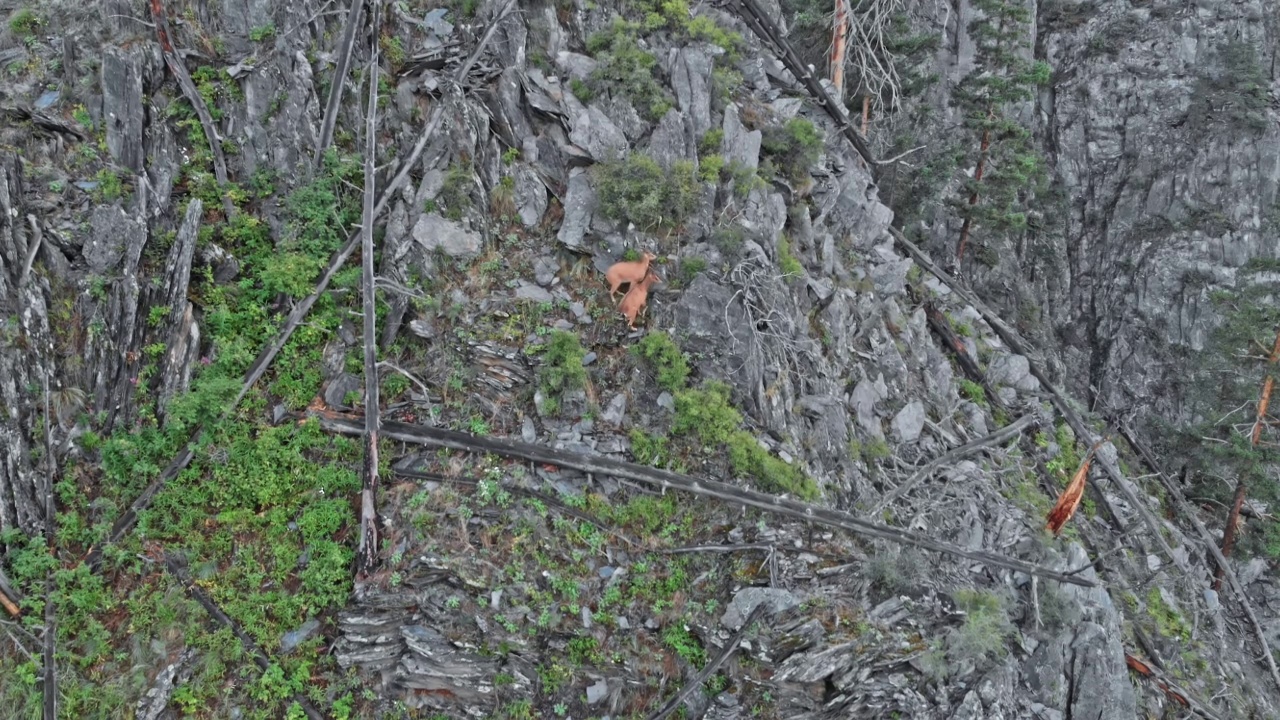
x,y
768,32
665,479
840,33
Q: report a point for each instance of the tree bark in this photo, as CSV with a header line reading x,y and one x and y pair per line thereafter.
x,y
367,554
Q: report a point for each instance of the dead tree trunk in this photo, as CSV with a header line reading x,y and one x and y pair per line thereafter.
x,y
839,34
367,555
973,198
1255,437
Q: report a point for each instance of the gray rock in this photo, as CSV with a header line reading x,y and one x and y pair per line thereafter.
x,y
544,270
434,232
669,141
1013,371
863,403
597,691
578,67
594,132
291,640
909,422
530,196
110,230
530,291
423,328
589,358
740,145
747,599
527,431
278,414
336,393
666,401
691,80
579,206
890,278
615,410
122,107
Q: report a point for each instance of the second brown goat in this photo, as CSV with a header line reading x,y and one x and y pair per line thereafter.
x,y
636,298
627,272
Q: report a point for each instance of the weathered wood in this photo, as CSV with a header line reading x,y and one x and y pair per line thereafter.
x,y
1011,430
340,71
665,479
367,552
1175,494
941,327
129,518
50,704
1017,344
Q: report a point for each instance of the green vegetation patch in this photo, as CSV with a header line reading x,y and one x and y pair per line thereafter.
x,y
638,190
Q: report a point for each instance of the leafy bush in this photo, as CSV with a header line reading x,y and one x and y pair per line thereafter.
x,y
668,362
638,190
794,147
562,368
706,413
788,262
626,68
1235,95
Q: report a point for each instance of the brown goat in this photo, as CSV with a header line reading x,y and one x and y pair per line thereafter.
x,y
627,272
636,298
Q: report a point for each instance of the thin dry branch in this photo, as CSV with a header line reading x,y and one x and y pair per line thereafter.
x,y
1078,426
767,30
1005,433
50,707
665,479
1175,493
177,567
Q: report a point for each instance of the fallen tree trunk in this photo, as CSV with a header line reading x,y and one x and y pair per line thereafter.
x,y
1017,344
665,479
367,552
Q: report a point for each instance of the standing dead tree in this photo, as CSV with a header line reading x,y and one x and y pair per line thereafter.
x,y
367,554
1255,438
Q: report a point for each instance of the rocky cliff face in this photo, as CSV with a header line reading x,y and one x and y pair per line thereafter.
x,y
794,347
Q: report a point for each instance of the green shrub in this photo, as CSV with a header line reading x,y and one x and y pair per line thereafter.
x,y
794,147
25,23
562,368
788,262
709,168
773,474
664,355
706,413
638,190
455,194
625,68
649,449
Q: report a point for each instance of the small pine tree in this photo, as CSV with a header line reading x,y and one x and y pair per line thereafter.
x,y
1009,170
